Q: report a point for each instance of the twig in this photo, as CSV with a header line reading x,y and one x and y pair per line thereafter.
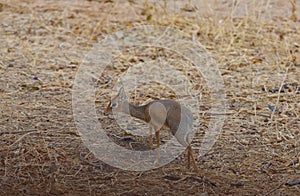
x,y
16,132
18,140
272,190
201,180
217,113
84,159
278,97
257,114
293,16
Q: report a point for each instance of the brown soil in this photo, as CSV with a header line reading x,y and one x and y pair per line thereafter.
x,y
256,45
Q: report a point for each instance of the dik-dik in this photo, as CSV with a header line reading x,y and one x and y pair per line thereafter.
x,y
157,114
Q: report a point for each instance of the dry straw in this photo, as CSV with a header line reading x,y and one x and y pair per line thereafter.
x,y
256,44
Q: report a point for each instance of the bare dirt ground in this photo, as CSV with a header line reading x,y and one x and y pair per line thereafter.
x,y
256,45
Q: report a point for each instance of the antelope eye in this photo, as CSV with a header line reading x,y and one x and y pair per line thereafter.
x,y
114,105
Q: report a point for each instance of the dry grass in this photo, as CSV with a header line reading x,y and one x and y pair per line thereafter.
x,y
256,45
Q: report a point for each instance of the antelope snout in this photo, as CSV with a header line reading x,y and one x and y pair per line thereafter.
x,y
108,109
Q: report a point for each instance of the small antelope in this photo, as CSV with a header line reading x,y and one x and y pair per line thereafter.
x,y
157,114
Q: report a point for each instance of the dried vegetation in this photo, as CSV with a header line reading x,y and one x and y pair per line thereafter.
x,y
256,45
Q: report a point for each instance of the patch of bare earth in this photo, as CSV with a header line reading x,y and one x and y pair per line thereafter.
x,y
256,45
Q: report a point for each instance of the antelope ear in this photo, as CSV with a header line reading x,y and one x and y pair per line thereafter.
x,y
122,94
